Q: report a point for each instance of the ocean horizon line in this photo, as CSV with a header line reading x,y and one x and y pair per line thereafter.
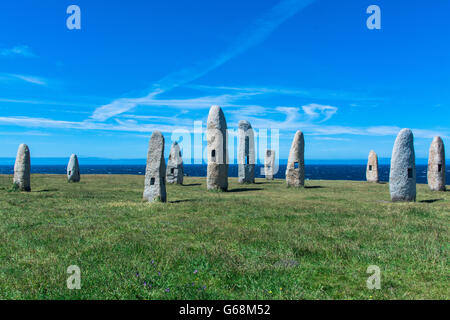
x,y
44,161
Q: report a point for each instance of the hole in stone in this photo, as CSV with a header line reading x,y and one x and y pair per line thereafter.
x,y
269,153
172,170
213,155
70,172
370,168
410,173
179,153
152,181
247,160
439,167
296,165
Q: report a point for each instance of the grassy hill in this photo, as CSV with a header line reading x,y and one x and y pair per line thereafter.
x,y
261,241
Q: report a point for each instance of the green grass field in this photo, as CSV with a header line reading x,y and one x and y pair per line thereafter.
x,y
261,241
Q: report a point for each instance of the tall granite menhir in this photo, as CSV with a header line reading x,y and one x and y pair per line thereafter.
x,y
22,169
73,169
372,168
216,134
246,153
269,164
436,165
295,171
402,177
175,171
155,172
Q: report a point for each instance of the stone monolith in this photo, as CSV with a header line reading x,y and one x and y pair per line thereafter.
x,y
246,153
22,169
175,171
155,172
216,134
73,169
436,165
372,168
269,164
295,171
402,177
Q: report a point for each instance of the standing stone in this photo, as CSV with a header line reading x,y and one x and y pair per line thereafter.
x,y
175,172
73,169
216,134
402,177
22,169
436,165
155,172
246,153
295,171
372,168
269,164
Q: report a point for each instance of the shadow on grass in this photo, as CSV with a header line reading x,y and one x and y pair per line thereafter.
x,y
244,189
314,187
191,185
430,200
180,201
46,190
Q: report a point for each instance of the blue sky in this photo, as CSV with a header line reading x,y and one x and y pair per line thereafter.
x,y
137,66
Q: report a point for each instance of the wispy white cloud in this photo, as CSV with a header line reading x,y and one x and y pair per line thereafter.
x,y
254,35
10,77
315,111
21,51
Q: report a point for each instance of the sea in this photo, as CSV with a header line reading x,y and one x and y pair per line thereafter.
x,y
356,172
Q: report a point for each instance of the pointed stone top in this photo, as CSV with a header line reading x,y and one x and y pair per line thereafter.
x,y
244,125
372,154
73,155
216,118
156,133
23,147
405,133
437,139
298,135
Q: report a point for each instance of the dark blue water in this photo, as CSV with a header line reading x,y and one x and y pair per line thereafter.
x,y
313,172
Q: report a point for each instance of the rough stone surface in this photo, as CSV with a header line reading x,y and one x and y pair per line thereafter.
x,y
295,171
22,168
402,177
372,168
246,153
436,165
216,134
155,172
175,171
269,164
73,169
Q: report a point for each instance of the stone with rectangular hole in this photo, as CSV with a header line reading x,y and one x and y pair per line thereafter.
x,y
73,169
295,170
372,168
269,164
402,176
217,139
246,153
175,170
436,165
155,172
